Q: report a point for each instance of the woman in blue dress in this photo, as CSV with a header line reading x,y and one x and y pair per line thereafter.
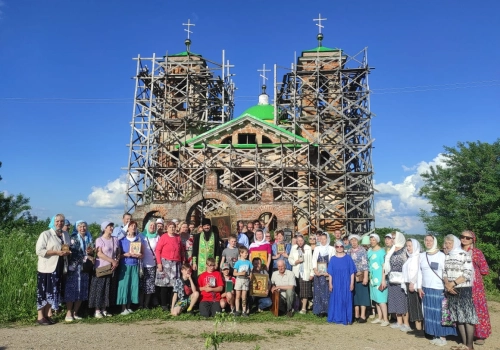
x,y
321,256
341,270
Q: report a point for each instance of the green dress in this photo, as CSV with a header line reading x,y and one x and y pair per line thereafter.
x,y
376,264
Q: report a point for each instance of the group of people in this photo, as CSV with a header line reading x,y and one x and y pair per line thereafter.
x,y
179,266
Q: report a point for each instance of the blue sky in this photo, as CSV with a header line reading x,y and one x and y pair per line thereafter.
x,y
66,92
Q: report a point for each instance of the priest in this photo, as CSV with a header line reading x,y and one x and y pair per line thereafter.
x,y
206,245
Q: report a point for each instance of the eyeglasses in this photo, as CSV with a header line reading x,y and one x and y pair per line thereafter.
x,y
210,265
339,246
466,237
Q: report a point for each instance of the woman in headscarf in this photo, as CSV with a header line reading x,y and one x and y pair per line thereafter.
x,y
321,256
52,262
483,327
410,282
378,286
261,245
301,260
128,271
341,271
147,281
103,288
77,282
280,250
393,268
361,292
187,241
169,255
458,278
431,288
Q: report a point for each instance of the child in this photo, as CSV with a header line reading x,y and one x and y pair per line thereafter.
x,y
230,254
211,286
242,272
184,292
227,296
262,302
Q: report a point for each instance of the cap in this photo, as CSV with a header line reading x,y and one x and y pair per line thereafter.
x,y
225,266
206,221
106,224
160,221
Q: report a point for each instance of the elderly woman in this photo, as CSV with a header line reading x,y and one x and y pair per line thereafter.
x,y
128,271
458,275
321,256
169,258
410,282
52,248
361,292
341,271
103,288
393,268
483,327
301,260
378,286
261,245
77,279
431,288
280,250
147,281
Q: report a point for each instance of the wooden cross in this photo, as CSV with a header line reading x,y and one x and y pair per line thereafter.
x,y
319,22
188,24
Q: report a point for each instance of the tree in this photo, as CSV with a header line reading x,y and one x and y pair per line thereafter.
x,y
13,209
465,194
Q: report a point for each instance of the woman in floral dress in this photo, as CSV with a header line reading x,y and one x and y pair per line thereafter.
x,y
321,255
378,286
483,328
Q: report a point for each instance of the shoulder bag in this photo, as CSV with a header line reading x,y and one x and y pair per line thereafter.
x,y
108,269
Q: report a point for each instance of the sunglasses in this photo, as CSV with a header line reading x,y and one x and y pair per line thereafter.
x,y
466,237
339,246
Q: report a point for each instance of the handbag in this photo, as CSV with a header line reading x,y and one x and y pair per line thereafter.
x,y
88,266
395,277
104,271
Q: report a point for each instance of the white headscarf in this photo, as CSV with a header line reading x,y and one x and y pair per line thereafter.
x,y
323,249
434,247
377,237
256,243
399,242
411,266
355,236
457,247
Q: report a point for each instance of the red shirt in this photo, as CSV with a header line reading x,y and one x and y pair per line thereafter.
x,y
211,279
169,248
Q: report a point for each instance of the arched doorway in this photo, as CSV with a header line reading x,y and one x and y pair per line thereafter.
x,y
202,208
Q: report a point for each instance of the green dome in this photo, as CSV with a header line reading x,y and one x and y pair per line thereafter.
x,y
262,112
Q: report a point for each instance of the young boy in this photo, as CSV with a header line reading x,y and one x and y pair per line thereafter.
x,y
242,272
230,254
184,292
262,302
211,286
227,296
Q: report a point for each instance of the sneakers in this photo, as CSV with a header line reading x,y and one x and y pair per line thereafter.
x,y
237,313
396,326
76,317
244,314
440,342
98,314
130,311
361,320
106,314
69,319
404,328
302,312
384,324
125,312
377,320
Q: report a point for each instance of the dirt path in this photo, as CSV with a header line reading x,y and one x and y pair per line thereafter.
x,y
282,334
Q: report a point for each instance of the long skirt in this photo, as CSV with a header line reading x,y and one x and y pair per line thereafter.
x,y
102,291
128,285
147,282
171,271
461,306
49,286
303,288
397,303
321,295
77,286
432,303
414,305
361,295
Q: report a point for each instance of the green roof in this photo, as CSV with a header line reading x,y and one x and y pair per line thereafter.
x,y
184,53
322,49
262,112
228,124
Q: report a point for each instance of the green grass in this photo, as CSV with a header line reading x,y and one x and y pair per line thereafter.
x,y
284,333
235,337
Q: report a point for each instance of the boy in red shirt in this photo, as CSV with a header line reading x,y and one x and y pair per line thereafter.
x,y
211,285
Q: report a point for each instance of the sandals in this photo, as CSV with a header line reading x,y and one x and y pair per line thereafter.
x,y
479,341
459,347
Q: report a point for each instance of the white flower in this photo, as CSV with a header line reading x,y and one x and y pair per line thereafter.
x,y
375,281
375,265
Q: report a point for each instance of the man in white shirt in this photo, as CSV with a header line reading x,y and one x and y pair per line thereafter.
x,y
283,281
121,231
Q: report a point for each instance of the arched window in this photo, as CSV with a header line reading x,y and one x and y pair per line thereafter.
x,y
227,140
266,139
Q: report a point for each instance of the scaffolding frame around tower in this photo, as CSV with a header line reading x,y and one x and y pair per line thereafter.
x,y
179,96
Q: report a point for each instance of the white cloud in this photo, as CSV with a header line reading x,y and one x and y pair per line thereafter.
x,y
2,4
110,196
398,204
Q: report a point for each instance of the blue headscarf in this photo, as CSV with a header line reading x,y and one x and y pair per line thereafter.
x,y
52,224
84,243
